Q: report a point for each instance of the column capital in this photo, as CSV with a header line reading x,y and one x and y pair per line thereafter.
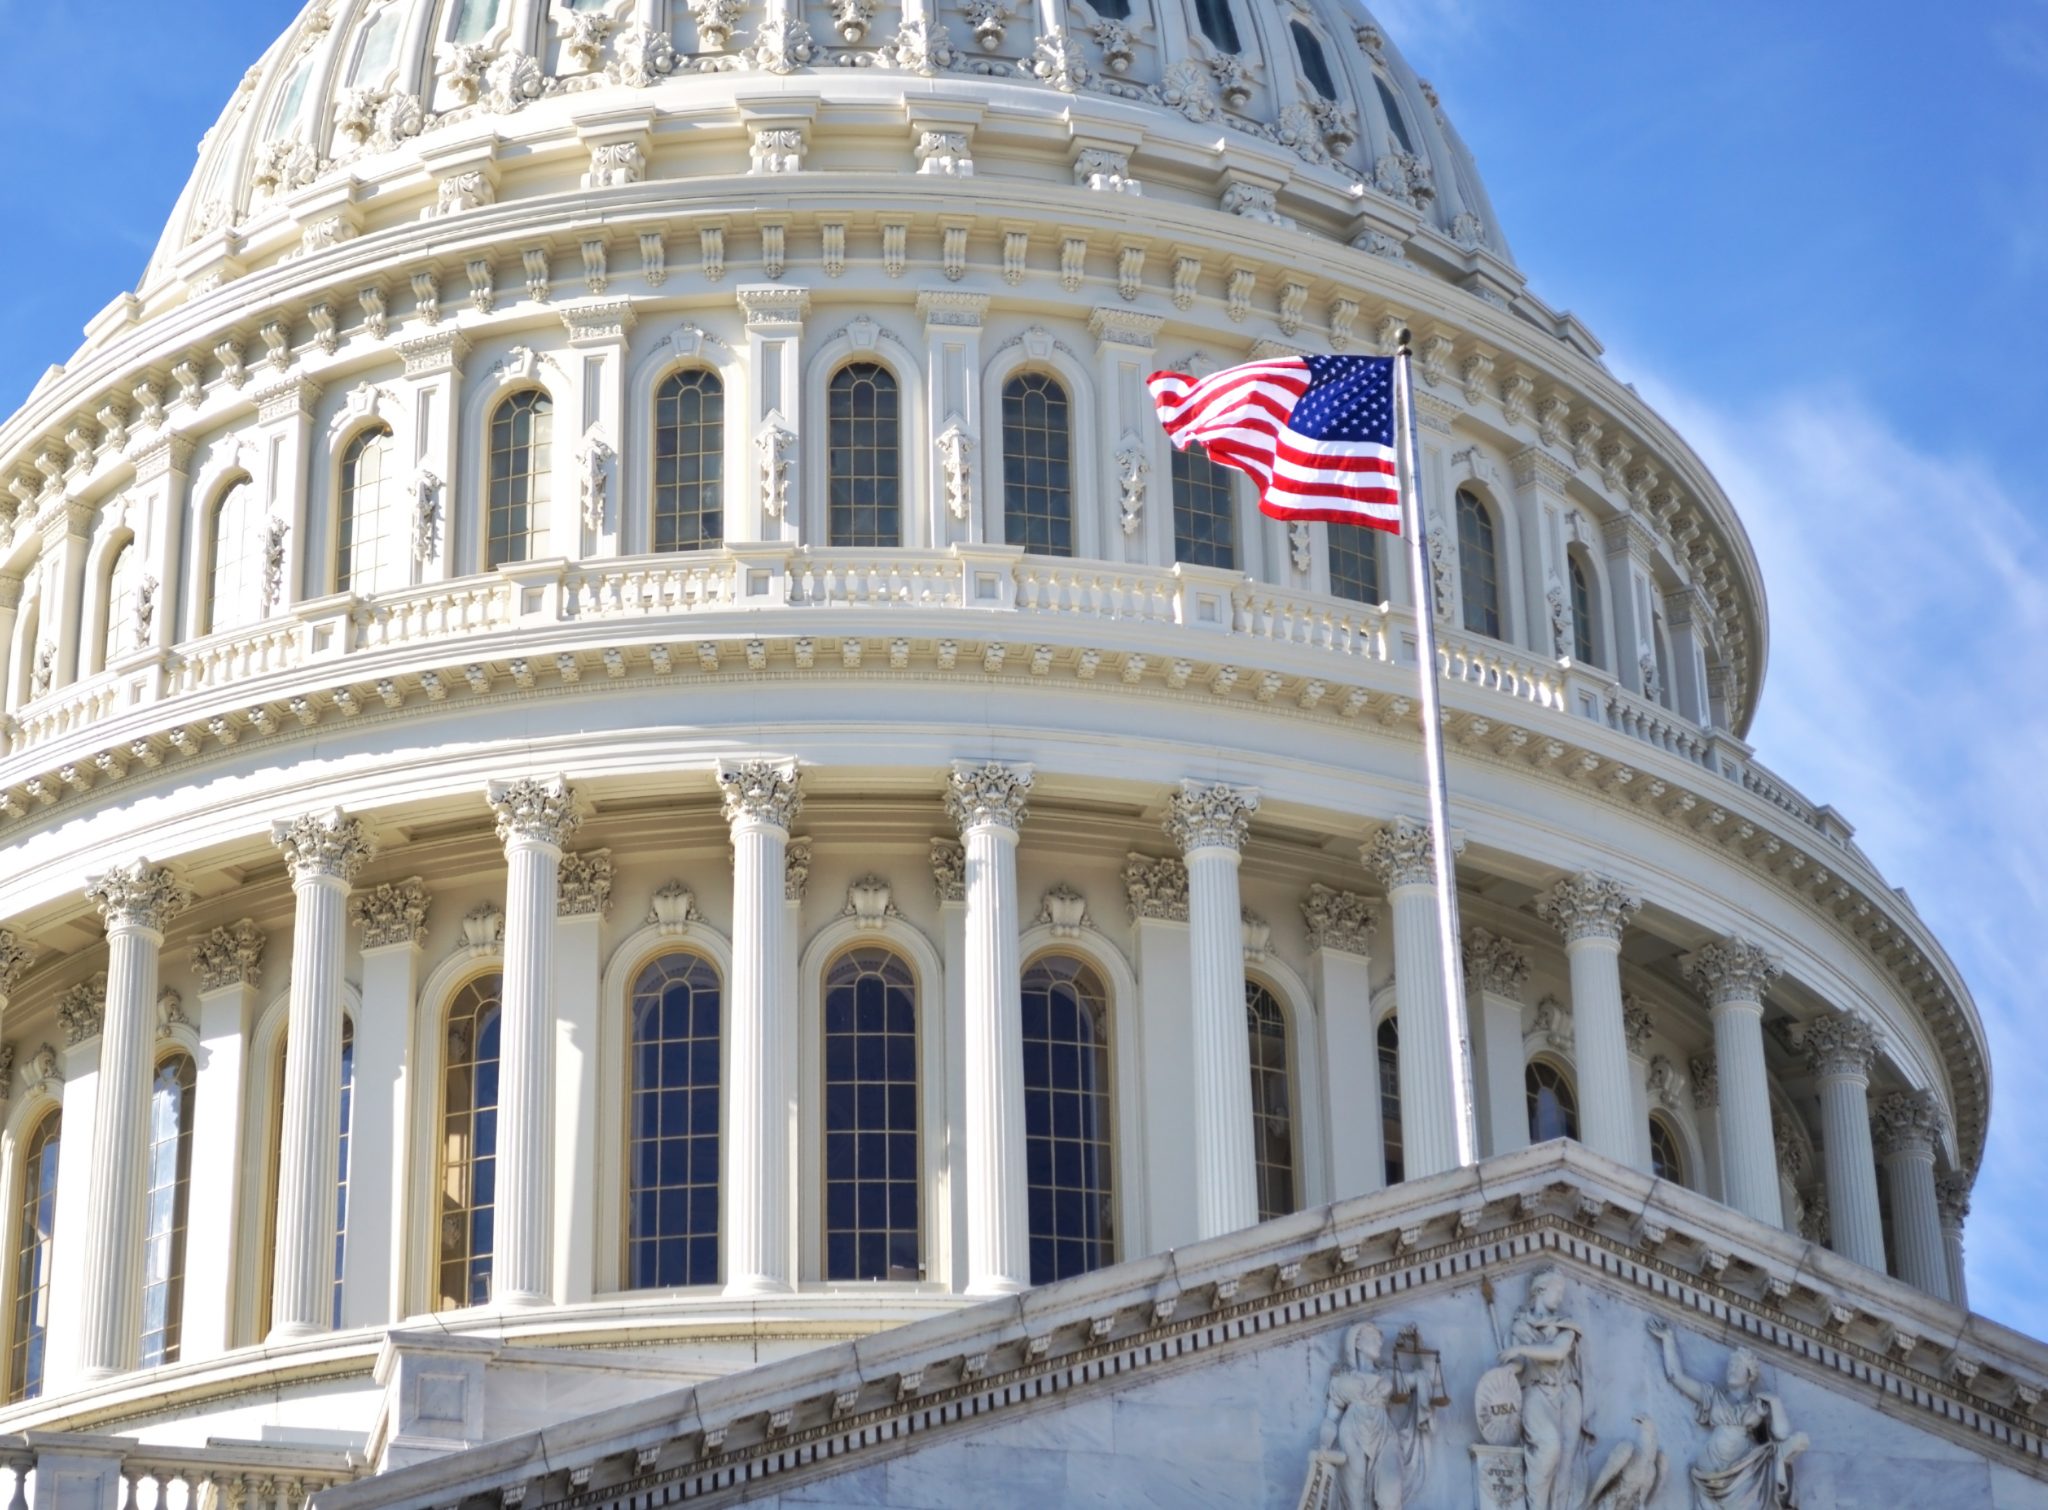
x,y
988,794
1731,970
1906,1122
1841,1043
16,955
392,913
1494,964
538,809
1706,1082
949,870
83,1010
1587,906
1635,1024
1952,1195
585,885
230,955
796,869
1338,920
1156,889
323,844
1212,816
761,791
140,895
1403,853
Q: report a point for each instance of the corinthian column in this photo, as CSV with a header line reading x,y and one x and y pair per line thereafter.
x,y
1209,823
16,955
1400,855
1906,1124
987,802
1734,973
761,797
136,900
323,852
535,816
1495,971
1841,1048
1952,1195
1590,911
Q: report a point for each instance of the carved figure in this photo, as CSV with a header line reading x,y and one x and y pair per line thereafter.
x,y
1543,1345
1629,1478
1366,1458
1747,1461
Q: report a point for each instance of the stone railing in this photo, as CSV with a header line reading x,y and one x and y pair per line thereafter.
x,y
59,1469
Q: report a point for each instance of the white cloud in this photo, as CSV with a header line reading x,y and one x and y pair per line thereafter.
x,y
1908,686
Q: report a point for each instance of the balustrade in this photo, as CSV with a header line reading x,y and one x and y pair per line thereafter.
x,y
219,1476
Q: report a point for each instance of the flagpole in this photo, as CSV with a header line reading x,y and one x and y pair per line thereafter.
x,y
1416,527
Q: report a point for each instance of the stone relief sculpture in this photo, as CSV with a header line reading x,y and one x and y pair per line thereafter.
x,y
1541,1351
1372,1452
1629,1478
1750,1448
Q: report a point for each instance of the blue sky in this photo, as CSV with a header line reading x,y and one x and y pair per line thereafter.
x,y
1815,235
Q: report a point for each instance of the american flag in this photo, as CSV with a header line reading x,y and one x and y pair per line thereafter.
x,y
1316,431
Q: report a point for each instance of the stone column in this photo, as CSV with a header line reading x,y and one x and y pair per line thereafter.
x,y
1841,1048
393,918
1706,1111
323,852
1400,855
1734,973
761,797
959,511
586,897
229,964
16,955
1495,971
1952,1195
535,816
1636,1029
1209,824
988,803
136,901
1340,928
1157,891
768,508
1590,911
1907,1125
949,882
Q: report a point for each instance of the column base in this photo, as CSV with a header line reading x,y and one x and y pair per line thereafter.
x,y
753,1285
94,1373
295,1331
520,1300
998,1285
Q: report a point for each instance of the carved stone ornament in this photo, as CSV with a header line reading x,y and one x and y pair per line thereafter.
x,y
715,20
644,55
45,1072
392,913
1553,1024
991,794
274,532
82,1010
1560,618
583,34
1706,1082
796,869
537,809
16,955
1906,1123
329,844
483,929
776,444
1952,1195
1374,1445
230,955
761,791
6,1071
594,463
1210,816
426,516
1731,970
170,1012
1494,964
1748,1451
1156,888
673,909
1301,549
1133,474
1256,934
586,885
922,46
1403,854
869,903
1665,1085
782,45
949,869
139,895
1056,60
987,18
1065,911
1841,1044
1636,1026
1530,1400
1338,920
956,446
1587,906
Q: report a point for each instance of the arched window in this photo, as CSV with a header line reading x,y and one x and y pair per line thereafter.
x,y
267,1274
1309,48
469,1143
1217,24
1582,614
170,1183
1478,566
689,461
672,1119
865,466
871,1167
1355,563
379,42
1272,1105
1395,122
235,587
35,1235
367,556
522,449
475,18
1667,1161
1390,1099
1204,510
1068,1144
1038,465
124,603
1553,1109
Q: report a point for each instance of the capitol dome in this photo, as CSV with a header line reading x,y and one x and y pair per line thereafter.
x,y
626,753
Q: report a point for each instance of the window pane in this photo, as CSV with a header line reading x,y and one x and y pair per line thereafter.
x,y
124,601
1582,616
1666,1163
1038,481
1313,64
1067,1141
1272,1104
235,588
1204,512
1478,566
1553,1109
366,557
1217,24
1355,562
469,1143
872,1229
1390,1099
689,462
170,1177
35,1237
864,467
1395,123
672,1154
522,437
